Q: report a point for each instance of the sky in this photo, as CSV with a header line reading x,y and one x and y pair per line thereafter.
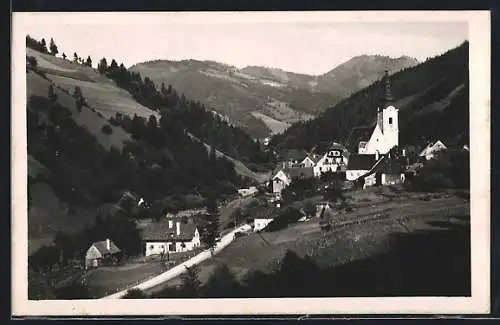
x,y
293,43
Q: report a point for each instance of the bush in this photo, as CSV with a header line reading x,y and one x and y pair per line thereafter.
x,y
134,294
290,215
106,129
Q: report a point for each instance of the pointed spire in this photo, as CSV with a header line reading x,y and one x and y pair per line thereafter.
x,y
388,93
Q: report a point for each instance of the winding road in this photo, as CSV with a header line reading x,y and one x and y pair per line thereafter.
x,y
181,268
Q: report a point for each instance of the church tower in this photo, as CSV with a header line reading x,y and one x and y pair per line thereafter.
x,y
389,118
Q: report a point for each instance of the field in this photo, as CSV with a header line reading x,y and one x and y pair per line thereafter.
x,y
101,93
348,243
109,279
274,125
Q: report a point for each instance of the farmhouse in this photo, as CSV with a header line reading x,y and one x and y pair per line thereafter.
x,y
259,224
431,150
245,192
170,235
101,253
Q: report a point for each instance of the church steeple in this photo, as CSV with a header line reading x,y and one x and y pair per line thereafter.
x,y
388,99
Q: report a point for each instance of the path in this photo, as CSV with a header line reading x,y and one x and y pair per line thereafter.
x,y
181,268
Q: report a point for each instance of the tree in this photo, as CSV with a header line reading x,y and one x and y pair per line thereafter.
x,y
134,294
211,232
43,46
190,286
53,47
310,209
75,57
102,66
64,56
221,284
113,66
89,61
52,94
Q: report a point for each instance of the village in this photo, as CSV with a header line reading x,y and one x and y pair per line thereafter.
x,y
371,157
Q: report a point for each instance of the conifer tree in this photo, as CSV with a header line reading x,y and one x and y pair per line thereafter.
x,y
53,47
43,45
89,61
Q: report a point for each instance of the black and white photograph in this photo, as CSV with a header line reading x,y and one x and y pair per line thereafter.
x,y
251,162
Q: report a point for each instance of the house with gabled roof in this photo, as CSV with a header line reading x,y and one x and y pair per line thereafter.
x,y
102,253
170,235
335,159
432,149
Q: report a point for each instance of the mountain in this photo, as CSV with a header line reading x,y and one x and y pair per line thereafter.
x,y
433,98
266,101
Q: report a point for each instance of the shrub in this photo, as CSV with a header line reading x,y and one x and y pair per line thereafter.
x,y
106,129
290,215
134,294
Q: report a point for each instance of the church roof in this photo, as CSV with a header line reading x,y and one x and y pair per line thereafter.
x,y
361,162
360,133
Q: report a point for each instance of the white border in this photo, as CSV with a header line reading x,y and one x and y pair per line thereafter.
x,y
479,40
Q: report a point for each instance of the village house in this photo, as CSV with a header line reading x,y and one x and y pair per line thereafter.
x,y
284,176
246,192
431,150
335,159
102,253
259,224
170,235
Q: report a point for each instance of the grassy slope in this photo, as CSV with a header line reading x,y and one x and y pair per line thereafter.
x,y
263,252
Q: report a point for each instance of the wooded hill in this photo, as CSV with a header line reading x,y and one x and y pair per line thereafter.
x,y
433,98
94,135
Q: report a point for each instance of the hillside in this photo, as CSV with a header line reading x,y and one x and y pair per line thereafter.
x,y
86,151
433,98
267,100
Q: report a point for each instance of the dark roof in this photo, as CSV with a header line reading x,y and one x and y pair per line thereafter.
x,y
389,166
300,171
360,133
293,154
103,249
361,162
161,231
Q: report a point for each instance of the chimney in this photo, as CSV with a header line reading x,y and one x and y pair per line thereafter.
x,y
178,224
170,224
376,155
108,244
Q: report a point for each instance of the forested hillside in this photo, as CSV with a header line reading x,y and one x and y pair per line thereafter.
x,y
433,98
81,160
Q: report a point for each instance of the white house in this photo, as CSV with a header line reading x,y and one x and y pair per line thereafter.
x,y
432,149
101,253
280,180
259,224
335,159
170,235
244,192
308,162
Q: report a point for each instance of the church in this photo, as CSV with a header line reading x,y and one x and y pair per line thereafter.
x,y
375,161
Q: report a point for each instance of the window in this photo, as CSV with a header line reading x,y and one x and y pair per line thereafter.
x,y
151,247
390,120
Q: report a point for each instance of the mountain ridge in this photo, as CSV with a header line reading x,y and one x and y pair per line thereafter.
x,y
265,101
